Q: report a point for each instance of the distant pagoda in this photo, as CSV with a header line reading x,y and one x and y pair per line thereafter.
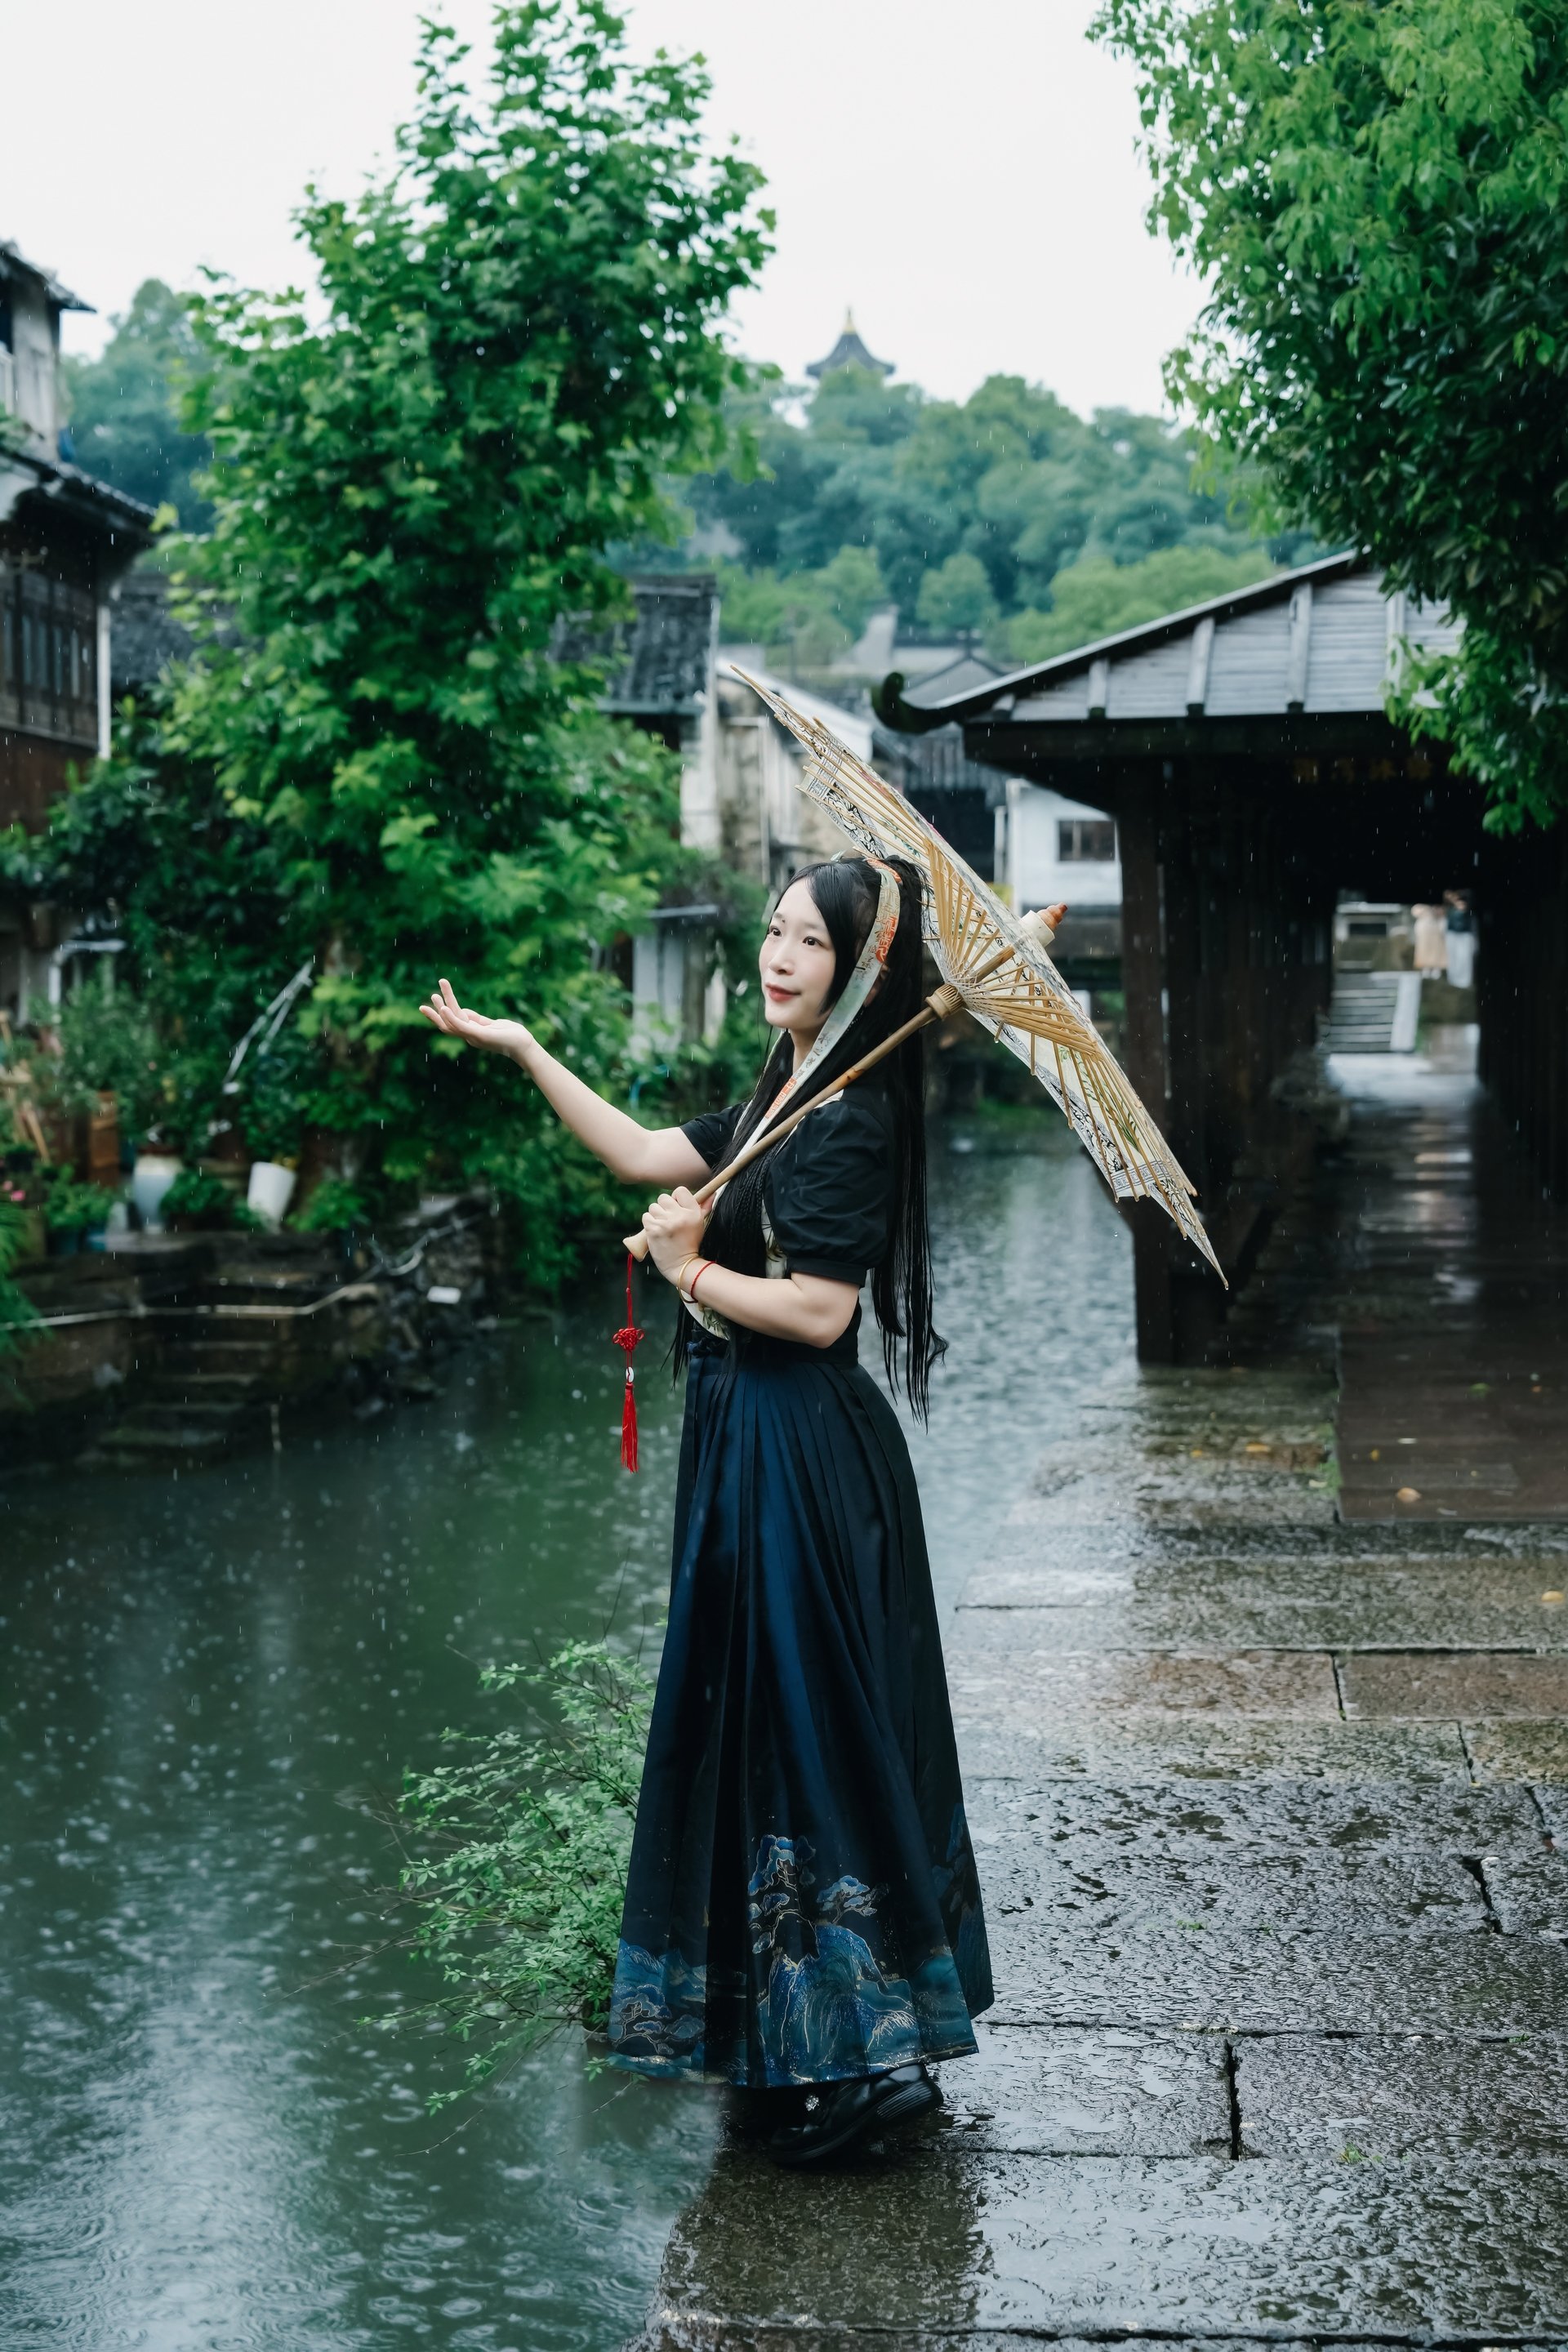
x,y
848,351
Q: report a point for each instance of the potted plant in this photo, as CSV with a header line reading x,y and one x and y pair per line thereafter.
x,y
273,1121
73,1211
199,1201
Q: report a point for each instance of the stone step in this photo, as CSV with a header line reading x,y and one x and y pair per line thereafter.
x,y
237,1387
139,1440
213,1354
188,1411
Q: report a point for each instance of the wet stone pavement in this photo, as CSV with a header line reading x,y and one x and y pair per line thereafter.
x,y
1272,1815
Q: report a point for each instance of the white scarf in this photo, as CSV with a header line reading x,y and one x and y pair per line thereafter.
x,y
855,995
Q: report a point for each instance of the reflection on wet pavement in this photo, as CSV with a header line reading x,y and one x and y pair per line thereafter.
x,y
1271,1807
1427,1244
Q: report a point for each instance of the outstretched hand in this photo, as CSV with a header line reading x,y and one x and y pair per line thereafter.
x,y
444,1013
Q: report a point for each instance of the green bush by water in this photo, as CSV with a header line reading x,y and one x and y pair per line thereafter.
x,y
516,1857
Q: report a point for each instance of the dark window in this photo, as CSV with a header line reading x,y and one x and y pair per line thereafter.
x,y
1085,841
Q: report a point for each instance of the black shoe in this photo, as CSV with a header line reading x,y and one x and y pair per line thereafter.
x,y
848,2114
751,2114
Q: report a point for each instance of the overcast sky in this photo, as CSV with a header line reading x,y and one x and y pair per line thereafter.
x,y
963,175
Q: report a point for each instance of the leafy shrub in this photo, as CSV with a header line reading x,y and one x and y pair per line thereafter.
x,y
16,1311
108,1043
334,1207
516,1860
203,1202
73,1208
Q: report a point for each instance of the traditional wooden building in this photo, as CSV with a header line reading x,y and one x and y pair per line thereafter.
x,y
65,541
1243,751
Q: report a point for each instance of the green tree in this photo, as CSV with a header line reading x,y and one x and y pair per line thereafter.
x,y
1010,477
957,597
374,761
1095,597
125,406
813,614
1375,195
854,586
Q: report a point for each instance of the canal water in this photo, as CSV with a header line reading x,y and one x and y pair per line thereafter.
x,y
201,2146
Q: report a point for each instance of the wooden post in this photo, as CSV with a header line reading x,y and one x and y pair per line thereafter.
x,y
1143,983
1195,1299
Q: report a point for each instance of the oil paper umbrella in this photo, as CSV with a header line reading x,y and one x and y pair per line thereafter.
x,y
995,965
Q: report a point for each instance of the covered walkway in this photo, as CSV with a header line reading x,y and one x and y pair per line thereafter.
x,y
1244,750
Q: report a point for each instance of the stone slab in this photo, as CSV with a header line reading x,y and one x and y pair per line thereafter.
x,y
1049,2092
1320,1605
672,2332
1412,1686
1463,1411
1297,1558
1160,1817
703,2332
1048,1973
1392,2100
1315,1892
946,2245
1008,1663
1529,1892
1151,1747
1157,1497
1519,1751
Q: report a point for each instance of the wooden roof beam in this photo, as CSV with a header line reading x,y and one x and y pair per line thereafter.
x,y
1301,651
1199,667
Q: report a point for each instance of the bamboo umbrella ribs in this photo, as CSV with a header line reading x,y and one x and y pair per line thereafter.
x,y
996,966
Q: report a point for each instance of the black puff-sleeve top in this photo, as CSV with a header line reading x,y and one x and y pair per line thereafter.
x,y
827,1188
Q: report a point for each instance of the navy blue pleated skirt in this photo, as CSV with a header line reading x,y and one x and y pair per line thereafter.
x,y
802,1903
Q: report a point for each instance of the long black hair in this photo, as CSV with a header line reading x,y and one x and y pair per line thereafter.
x,y
846,891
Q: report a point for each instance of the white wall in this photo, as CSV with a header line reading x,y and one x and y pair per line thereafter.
x,y
659,979
1029,857
35,362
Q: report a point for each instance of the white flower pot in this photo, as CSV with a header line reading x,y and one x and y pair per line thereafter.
x,y
150,1179
271,1190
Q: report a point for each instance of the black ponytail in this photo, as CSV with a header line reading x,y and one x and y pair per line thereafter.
x,y
846,892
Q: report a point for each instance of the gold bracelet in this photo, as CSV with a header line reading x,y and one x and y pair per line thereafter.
x,y
681,1274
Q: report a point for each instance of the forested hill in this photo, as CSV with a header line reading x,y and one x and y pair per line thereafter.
x,y
1005,517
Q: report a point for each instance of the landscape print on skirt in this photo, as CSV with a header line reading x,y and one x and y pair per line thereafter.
x,y
802,1903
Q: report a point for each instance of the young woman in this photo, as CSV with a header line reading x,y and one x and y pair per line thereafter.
x,y
802,1916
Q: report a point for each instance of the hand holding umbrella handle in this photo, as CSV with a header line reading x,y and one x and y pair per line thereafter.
x,y
941,1002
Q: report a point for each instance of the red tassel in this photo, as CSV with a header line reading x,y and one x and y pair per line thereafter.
x,y
627,1339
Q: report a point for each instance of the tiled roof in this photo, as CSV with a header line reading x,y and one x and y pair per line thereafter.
x,y
660,660
1317,640
145,636
13,263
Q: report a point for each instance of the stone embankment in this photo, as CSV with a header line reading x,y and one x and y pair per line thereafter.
x,y
181,1348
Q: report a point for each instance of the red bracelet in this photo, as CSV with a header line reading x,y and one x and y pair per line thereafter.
x,y
691,1285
